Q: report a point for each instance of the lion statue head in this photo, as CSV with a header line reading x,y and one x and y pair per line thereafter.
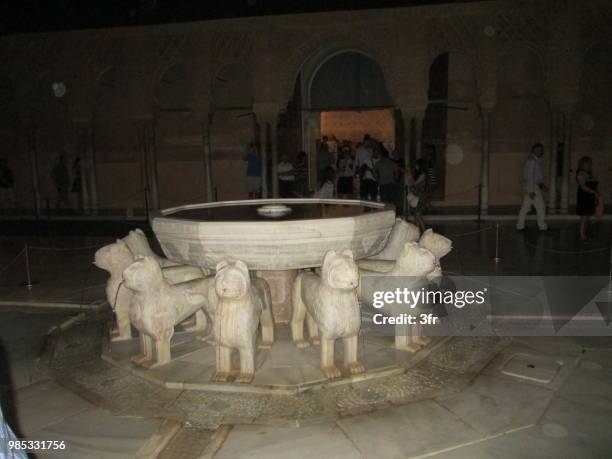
x,y
143,274
339,270
232,279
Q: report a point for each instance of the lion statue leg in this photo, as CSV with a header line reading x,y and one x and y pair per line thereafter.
x,y
403,339
124,327
146,350
350,356
266,320
313,330
417,336
298,315
224,363
327,359
247,365
162,352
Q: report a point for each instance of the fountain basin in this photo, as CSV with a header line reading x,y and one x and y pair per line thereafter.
x,y
204,234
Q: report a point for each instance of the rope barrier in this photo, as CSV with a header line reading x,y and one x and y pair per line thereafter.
x,y
559,252
9,264
64,249
469,233
125,198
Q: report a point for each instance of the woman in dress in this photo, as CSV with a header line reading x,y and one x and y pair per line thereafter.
x,y
586,194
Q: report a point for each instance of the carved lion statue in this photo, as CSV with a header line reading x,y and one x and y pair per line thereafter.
x,y
114,258
440,246
401,233
138,244
242,304
330,307
414,265
157,306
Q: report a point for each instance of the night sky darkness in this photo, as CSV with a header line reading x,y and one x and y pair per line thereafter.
x,y
27,16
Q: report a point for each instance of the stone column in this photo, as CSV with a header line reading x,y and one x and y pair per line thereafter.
x,y
485,114
91,169
418,134
267,116
552,179
83,138
566,117
412,142
313,129
30,128
145,129
205,124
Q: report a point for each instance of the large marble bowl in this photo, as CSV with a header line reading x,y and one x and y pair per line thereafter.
x,y
204,234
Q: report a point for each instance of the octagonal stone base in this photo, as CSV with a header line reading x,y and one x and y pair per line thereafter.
x,y
283,369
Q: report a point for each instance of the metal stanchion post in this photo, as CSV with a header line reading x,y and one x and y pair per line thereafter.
x,y
28,283
479,216
610,274
496,258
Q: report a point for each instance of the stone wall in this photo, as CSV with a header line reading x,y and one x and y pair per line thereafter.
x,y
144,95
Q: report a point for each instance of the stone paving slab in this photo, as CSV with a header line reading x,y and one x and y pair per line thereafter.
x,y
565,364
495,405
283,369
407,431
96,433
46,403
264,442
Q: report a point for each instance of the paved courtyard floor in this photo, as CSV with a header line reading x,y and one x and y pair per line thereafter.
x,y
470,397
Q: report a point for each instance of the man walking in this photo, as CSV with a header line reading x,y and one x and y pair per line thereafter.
x,y
533,185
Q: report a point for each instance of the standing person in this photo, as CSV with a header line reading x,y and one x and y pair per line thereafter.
x,y
387,174
346,172
586,194
6,435
324,160
61,178
77,183
253,172
286,177
533,184
301,174
417,196
7,185
327,188
332,146
430,160
368,187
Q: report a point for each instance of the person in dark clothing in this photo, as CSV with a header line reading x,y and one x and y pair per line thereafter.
x,y
324,160
387,174
253,172
77,182
7,185
586,194
61,178
301,174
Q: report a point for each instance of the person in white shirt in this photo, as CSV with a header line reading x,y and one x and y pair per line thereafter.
x,y
346,173
364,157
533,185
327,188
286,177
